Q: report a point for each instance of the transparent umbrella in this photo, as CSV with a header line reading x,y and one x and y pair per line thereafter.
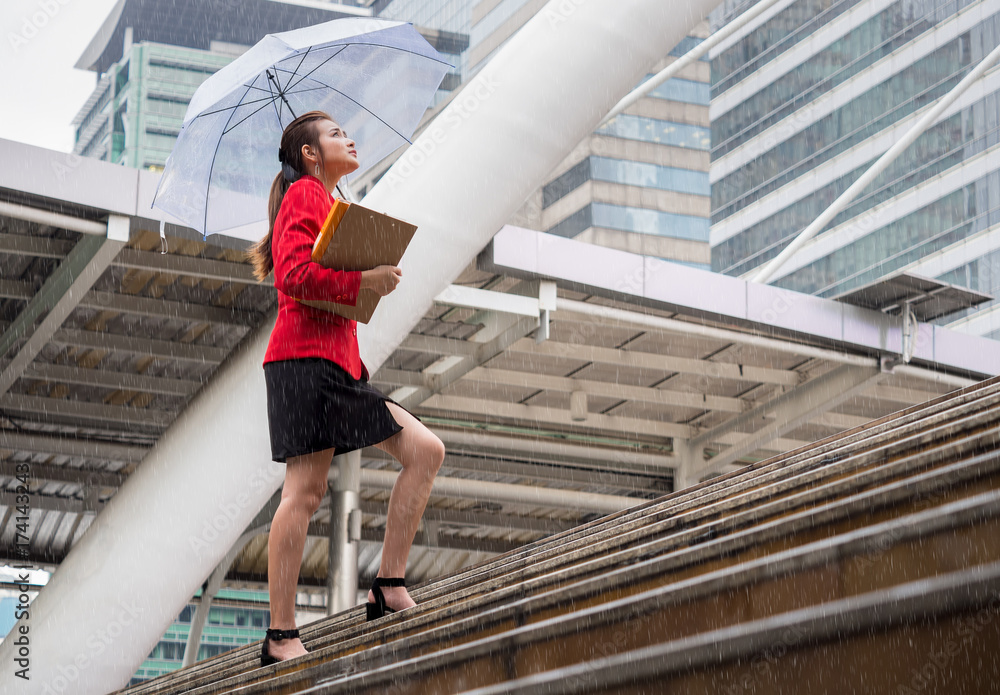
x,y
374,77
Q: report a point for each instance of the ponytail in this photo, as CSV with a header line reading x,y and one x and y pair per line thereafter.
x,y
290,156
260,253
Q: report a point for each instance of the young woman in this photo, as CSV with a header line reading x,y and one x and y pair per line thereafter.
x,y
319,402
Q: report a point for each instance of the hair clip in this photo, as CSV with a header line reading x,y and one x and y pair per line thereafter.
x,y
289,173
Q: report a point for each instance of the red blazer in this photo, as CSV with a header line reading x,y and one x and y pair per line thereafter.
x,y
302,331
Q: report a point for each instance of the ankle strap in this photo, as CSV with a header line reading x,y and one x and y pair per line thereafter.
x,y
278,635
389,581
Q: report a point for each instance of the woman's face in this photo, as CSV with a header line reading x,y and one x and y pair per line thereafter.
x,y
339,155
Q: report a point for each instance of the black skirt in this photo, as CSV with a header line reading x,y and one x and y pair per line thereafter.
x,y
314,404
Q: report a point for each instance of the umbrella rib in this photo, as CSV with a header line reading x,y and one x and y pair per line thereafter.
x,y
401,50
295,72
250,115
211,168
382,45
242,103
318,67
257,101
347,96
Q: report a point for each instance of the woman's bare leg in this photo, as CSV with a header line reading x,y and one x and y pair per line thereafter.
x,y
305,485
420,453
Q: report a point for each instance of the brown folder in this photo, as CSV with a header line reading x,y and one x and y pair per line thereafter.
x,y
357,238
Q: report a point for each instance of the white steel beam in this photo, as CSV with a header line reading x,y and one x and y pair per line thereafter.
x,y
549,449
513,328
56,445
165,349
129,381
638,394
160,308
475,298
191,266
486,491
52,219
96,414
39,247
691,57
788,410
54,302
845,199
659,362
608,424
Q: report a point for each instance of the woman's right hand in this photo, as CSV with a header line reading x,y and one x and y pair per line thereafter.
x,y
383,279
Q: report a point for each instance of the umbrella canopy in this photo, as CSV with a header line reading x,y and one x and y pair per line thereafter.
x,y
374,77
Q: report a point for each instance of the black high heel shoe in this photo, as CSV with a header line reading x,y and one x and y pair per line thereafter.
x,y
276,635
379,609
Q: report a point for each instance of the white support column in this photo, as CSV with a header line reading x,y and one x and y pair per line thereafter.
x,y
687,459
345,533
116,592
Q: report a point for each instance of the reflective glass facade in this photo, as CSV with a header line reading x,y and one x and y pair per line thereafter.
x,y
632,219
629,173
894,62
657,131
453,16
968,133
666,155
226,628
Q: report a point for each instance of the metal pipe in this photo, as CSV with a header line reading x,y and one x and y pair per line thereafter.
x,y
506,493
688,58
845,199
552,449
674,326
53,219
342,563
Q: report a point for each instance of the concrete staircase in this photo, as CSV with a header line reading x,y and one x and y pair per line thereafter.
x,y
865,562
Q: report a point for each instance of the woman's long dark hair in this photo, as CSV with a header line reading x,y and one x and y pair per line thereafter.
x,y
301,131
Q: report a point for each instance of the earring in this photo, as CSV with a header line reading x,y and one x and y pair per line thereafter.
x,y
317,170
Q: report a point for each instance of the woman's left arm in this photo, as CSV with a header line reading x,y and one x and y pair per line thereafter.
x,y
295,273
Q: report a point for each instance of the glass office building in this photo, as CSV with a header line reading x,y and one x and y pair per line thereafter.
x,y
151,57
448,21
805,100
236,618
639,183
135,114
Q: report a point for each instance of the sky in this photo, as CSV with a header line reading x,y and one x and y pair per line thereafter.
x,y
40,42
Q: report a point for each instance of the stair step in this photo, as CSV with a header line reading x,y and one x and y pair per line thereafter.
x,y
939,634
795,581
749,545
924,456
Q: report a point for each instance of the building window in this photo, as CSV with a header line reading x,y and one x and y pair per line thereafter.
x,y
654,222
629,173
574,224
647,175
771,39
559,188
635,220
657,131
